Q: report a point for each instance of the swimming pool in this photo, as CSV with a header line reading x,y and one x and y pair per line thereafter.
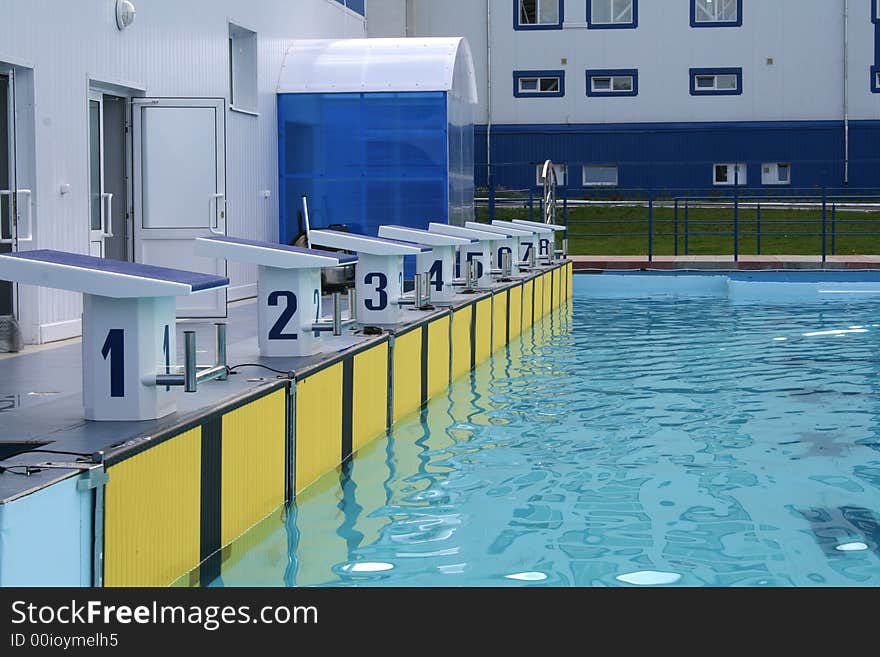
x,y
665,430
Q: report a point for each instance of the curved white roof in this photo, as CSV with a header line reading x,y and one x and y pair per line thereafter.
x,y
374,65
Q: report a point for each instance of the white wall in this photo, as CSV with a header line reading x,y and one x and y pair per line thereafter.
x,y
386,18
804,38
174,48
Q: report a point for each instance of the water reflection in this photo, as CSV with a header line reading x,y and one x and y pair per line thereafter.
x,y
630,443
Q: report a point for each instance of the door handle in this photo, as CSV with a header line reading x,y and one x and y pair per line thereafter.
x,y
213,214
7,240
106,215
29,235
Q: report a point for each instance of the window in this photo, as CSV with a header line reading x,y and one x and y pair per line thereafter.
x,y
538,14
716,81
600,175
242,69
618,82
875,13
776,173
610,14
729,174
561,174
875,77
716,13
538,84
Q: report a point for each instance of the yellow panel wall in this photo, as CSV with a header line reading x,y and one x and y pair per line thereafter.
x,y
318,425
483,334
499,320
461,341
438,356
515,311
407,374
152,514
370,395
570,280
253,463
528,289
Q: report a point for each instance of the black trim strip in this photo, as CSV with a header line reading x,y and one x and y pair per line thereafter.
x,y
424,398
474,336
347,407
306,372
211,500
507,323
533,300
144,442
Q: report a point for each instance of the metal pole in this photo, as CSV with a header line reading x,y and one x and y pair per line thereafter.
x,y
531,204
686,227
824,224
675,230
190,372
759,228
834,229
736,213
565,206
651,227
491,195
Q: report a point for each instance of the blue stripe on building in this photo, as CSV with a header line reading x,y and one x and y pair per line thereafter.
x,y
680,155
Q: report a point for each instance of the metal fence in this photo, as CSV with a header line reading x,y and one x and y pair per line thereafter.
x,y
735,221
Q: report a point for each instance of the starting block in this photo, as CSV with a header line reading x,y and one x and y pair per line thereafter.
x,y
438,263
547,244
129,318
378,274
288,291
509,243
479,251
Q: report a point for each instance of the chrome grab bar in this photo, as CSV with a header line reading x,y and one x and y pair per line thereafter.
x,y
192,375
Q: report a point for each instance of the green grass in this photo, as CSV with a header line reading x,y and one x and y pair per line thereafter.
x,y
603,230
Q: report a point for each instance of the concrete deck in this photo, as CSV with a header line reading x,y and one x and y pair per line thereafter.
x,y
745,263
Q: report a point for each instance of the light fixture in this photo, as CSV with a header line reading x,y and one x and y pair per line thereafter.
x,y
125,13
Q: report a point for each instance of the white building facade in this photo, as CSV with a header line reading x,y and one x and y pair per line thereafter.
x,y
667,94
126,141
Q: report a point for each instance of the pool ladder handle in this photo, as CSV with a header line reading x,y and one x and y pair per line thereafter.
x,y
336,324
193,375
421,295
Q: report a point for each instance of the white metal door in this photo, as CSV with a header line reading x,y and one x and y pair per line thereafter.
x,y
179,188
99,201
16,222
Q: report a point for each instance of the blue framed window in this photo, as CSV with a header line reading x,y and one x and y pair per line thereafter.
x,y
716,13
539,84
608,83
612,14
538,14
875,79
716,81
875,11
356,6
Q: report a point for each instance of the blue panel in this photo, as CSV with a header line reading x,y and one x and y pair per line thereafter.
x,y
46,538
363,160
195,280
679,156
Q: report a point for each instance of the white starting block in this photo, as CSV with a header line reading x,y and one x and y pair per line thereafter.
x,y
547,244
129,316
288,291
438,263
529,247
378,274
509,244
479,251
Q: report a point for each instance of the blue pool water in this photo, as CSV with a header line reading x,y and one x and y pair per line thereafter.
x,y
685,439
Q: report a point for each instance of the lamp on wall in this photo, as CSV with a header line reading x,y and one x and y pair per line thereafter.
x,y
125,13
